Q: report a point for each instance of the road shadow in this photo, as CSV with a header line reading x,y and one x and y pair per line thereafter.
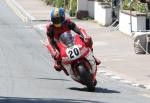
x,y
54,79
43,100
97,90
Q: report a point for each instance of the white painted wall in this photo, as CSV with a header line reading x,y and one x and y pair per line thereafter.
x,y
102,15
85,5
82,5
124,23
141,23
138,23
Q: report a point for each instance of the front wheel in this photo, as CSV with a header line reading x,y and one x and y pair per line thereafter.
x,y
86,77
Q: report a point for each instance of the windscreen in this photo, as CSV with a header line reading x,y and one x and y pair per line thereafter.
x,y
67,39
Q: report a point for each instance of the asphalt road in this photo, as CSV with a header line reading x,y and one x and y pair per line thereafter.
x,y
27,76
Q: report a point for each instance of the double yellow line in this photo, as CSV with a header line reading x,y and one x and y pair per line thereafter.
x,y
17,11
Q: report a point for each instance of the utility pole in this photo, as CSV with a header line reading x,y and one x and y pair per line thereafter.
x,y
64,4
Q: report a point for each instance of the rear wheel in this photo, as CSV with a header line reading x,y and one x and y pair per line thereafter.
x,y
86,77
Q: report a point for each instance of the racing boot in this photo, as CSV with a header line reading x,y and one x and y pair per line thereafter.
x,y
98,62
95,82
57,66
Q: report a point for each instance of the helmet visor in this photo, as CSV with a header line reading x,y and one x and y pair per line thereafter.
x,y
56,20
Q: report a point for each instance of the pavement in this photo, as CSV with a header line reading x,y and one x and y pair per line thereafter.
x,y
114,48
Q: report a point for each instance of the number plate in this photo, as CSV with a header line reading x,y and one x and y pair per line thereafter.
x,y
73,52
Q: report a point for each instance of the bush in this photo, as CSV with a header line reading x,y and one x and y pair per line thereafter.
x,y
72,13
136,6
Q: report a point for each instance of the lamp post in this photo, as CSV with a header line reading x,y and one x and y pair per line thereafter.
x,y
130,5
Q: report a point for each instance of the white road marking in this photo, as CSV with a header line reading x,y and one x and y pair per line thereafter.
x,y
135,84
145,95
147,86
108,74
17,12
100,71
23,10
116,77
126,81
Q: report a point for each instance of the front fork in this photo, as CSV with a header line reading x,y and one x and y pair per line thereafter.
x,y
87,66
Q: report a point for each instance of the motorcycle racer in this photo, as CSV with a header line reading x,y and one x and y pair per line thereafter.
x,y
59,25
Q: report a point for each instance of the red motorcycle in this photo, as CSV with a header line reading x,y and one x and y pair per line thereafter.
x,y
77,59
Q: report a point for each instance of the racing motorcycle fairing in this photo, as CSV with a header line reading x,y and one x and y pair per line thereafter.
x,y
71,48
77,59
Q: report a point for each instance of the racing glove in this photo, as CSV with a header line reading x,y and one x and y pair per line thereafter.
x,y
88,41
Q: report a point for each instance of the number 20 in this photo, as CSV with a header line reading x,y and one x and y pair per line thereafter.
x,y
73,53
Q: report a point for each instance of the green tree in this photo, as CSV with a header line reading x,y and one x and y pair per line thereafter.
x,y
58,3
49,2
73,7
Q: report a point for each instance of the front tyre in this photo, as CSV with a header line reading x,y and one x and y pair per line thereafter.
x,y
86,77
